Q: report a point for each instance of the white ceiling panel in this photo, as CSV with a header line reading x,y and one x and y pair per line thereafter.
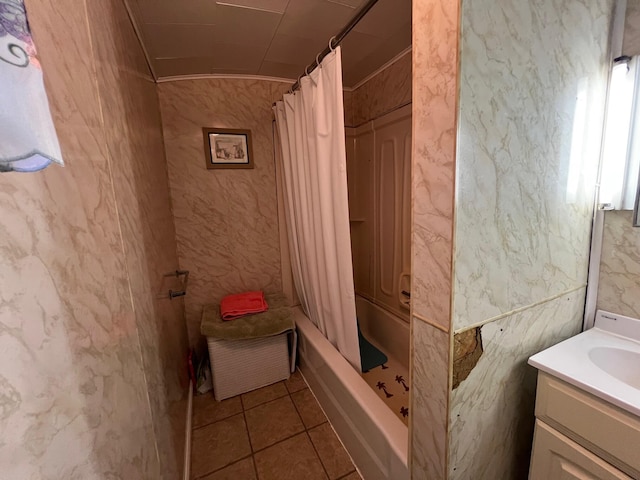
x,y
175,41
244,58
385,16
276,6
268,37
282,70
243,26
349,3
293,50
315,19
360,68
173,11
357,45
170,67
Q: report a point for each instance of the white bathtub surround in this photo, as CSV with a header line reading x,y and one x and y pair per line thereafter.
x,y
311,130
375,438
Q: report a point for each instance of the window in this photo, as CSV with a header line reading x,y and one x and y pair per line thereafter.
x,y
621,149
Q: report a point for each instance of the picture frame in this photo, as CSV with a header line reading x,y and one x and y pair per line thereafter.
x,y
227,148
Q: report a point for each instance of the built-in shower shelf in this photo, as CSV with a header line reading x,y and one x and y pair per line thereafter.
x,y
355,220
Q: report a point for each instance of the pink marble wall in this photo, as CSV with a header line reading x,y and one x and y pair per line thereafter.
x,y
133,134
386,91
435,71
82,343
226,220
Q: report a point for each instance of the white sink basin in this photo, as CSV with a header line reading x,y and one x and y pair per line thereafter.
x,y
621,364
604,361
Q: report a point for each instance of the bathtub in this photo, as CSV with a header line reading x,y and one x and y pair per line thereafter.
x,y
374,437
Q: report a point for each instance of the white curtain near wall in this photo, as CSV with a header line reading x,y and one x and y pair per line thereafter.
x,y
310,126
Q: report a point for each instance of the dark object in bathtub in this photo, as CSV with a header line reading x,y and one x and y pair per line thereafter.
x,y
370,356
383,386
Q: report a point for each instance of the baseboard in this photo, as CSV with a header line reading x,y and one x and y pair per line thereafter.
x,y
187,435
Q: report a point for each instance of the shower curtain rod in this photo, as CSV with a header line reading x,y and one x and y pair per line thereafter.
x,y
336,40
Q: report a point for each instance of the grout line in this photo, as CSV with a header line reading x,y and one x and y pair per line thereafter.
x,y
347,474
280,441
215,421
222,468
246,425
424,319
264,403
255,466
519,310
317,454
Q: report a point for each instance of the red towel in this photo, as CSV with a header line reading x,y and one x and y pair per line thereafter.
x,y
241,304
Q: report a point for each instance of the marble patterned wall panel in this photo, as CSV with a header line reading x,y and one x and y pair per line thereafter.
x,y
135,145
73,400
435,66
492,411
386,91
619,283
631,38
532,86
430,401
226,220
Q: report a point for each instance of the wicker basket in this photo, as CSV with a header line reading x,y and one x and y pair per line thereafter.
x,y
239,366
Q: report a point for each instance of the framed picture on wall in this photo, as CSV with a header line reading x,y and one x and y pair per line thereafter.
x,y
227,148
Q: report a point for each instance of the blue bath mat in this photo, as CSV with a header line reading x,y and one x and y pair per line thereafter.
x,y
370,356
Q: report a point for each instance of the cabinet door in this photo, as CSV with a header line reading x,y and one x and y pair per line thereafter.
x,y
560,458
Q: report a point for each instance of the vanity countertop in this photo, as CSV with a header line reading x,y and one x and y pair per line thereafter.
x,y
604,361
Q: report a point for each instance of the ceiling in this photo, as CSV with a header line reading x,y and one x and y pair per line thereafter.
x,y
275,38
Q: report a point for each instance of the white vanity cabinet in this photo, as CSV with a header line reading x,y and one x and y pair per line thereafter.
x,y
580,436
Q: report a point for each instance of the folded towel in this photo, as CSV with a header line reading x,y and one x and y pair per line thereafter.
x,y
278,319
241,304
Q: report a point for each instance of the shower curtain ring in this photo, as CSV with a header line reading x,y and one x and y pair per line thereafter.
x,y
305,70
330,42
318,60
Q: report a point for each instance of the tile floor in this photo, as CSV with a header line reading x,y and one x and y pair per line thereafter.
x,y
276,432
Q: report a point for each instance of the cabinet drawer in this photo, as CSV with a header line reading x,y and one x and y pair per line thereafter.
x,y
606,430
557,457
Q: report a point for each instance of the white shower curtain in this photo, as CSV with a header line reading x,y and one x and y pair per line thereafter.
x,y
310,125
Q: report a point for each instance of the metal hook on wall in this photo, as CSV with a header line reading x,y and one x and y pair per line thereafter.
x,y
177,293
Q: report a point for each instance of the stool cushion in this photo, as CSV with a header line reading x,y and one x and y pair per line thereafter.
x,y
276,320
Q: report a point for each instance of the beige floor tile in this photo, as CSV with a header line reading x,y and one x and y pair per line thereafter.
x,y
295,382
334,457
207,410
271,422
311,413
263,395
242,470
293,459
219,444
